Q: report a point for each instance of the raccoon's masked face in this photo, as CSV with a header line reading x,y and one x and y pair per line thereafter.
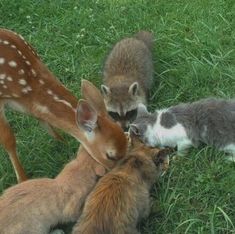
x,y
122,102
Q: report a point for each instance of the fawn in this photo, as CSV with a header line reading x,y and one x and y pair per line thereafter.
x,y
28,86
36,205
121,198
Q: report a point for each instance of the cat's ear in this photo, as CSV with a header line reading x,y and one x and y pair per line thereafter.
x,y
86,116
133,89
141,109
105,90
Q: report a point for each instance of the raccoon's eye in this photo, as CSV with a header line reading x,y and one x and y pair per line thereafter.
x,y
131,115
114,115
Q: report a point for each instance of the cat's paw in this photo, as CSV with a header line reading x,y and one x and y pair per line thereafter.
x,y
57,231
231,158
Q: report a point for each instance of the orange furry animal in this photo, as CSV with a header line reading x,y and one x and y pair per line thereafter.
x,y
34,206
121,198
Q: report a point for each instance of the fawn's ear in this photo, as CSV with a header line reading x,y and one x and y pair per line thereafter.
x,y
133,89
93,96
86,116
105,90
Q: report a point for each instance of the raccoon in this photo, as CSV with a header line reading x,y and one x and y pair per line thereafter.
x,y
127,77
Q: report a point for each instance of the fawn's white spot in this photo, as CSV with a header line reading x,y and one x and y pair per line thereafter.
x,y
20,36
55,97
13,46
15,95
9,78
49,92
41,81
12,63
2,76
2,61
24,90
65,102
0,93
33,72
6,96
21,72
24,57
42,109
27,62
4,86
6,42
22,82
1,81
29,88
19,52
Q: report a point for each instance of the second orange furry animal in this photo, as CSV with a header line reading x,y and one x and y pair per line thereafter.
x,y
121,198
128,75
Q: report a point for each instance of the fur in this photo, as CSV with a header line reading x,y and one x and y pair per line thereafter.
x,y
128,73
35,206
121,198
209,121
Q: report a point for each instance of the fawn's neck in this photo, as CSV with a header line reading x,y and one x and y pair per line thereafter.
x,y
80,170
76,181
52,102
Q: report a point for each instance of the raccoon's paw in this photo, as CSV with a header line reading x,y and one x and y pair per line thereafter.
x,y
57,231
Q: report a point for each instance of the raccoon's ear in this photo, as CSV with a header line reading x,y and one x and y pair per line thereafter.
x,y
105,90
86,116
141,109
133,89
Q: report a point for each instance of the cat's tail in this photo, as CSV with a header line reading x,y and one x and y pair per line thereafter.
x,y
146,37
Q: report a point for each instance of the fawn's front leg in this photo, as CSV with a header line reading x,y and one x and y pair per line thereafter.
x,y
7,139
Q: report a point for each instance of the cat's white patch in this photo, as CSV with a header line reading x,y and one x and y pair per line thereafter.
x,y
172,137
231,150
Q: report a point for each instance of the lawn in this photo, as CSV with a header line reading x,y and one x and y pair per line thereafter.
x,y
194,57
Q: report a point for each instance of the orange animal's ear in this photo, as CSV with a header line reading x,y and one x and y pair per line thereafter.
x,y
93,96
161,158
134,140
86,116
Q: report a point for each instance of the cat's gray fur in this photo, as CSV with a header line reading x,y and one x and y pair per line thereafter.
x,y
210,121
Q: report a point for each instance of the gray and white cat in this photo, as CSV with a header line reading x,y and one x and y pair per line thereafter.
x,y
209,121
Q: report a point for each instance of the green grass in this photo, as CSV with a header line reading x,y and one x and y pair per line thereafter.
x,y
194,57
